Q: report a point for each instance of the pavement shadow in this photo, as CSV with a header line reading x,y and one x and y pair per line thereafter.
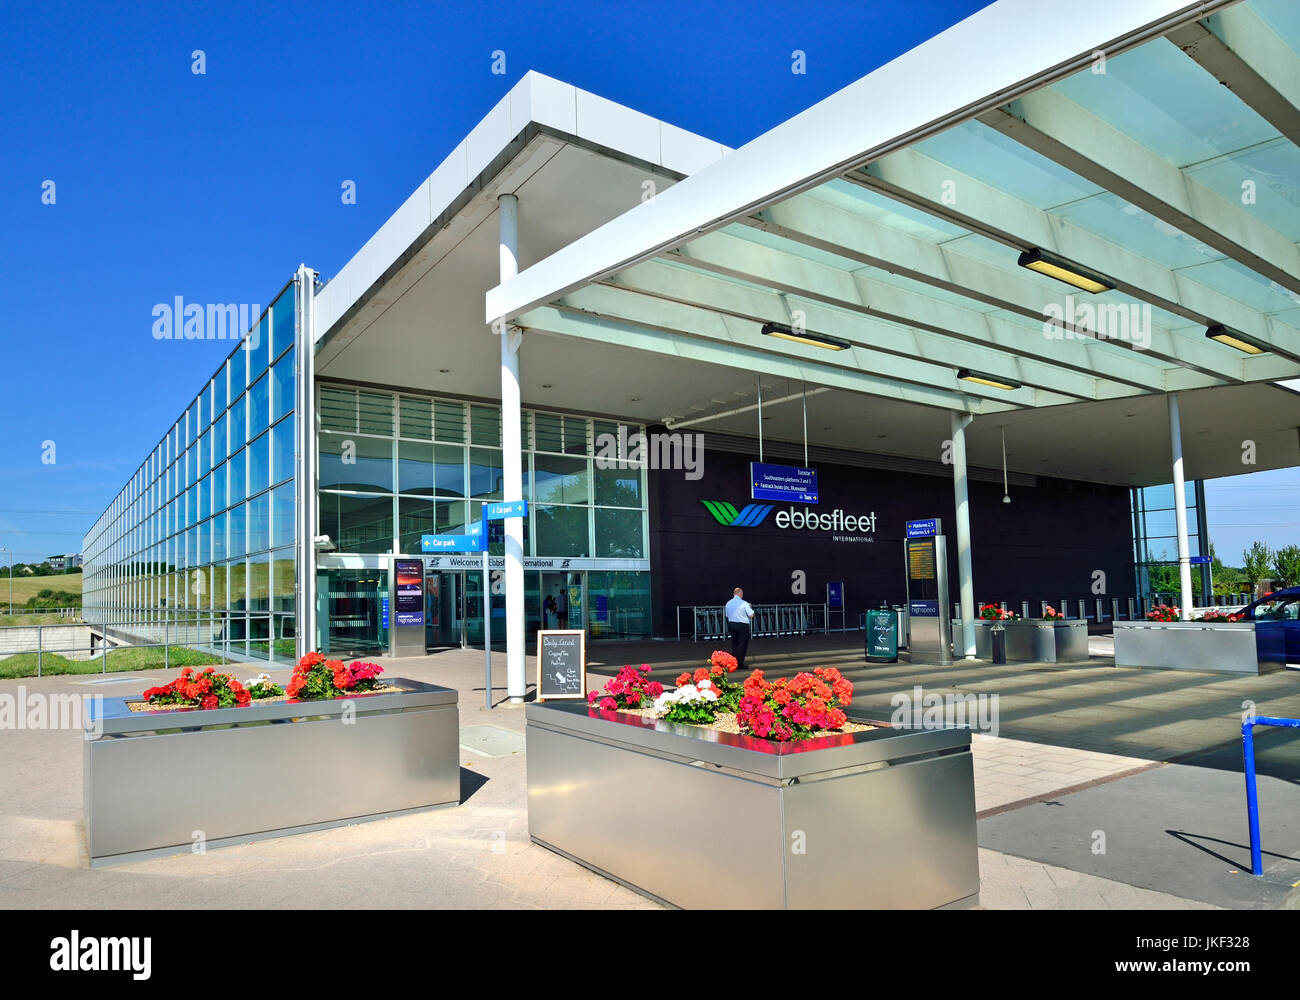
x,y
470,782
1196,840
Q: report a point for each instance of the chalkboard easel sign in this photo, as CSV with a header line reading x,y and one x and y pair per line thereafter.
x,y
561,663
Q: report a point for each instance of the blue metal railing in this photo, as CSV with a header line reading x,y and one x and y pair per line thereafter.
x,y
1252,797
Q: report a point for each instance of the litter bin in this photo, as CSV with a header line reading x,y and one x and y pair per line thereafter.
x,y
882,637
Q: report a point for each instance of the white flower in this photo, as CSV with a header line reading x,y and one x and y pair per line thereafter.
x,y
709,695
262,678
687,692
706,683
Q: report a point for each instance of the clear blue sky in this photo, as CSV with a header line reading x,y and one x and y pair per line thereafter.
x,y
216,187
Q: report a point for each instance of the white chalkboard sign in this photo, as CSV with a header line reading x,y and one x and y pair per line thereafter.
x,y
561,664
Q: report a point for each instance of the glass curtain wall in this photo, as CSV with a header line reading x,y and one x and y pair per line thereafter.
x,y
1155,542
202,536
393,467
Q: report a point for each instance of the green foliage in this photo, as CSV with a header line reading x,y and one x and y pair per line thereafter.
x,y
1255,562
696,713
1286,565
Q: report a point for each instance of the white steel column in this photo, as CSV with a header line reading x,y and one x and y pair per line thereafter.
x,y
305,465
512,460
965,645
1180,508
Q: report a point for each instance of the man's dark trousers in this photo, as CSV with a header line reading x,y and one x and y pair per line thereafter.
x,y
739,641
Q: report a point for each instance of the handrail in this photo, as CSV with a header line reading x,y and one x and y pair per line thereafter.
x,y
1252,795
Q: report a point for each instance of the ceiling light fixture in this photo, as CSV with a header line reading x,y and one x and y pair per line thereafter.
x,y
1235,338
983,378
1045,262
805,337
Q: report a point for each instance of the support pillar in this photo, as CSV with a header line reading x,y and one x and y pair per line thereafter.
x,y
305,496
1180,508
512,461
965,642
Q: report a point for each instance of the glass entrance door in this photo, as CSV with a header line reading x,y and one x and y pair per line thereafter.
x,y
563,600
354,621
444,610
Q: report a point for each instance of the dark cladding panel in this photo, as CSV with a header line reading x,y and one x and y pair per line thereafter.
x,y
707,537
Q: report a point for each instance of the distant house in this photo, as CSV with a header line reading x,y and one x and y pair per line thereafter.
x,y
63,562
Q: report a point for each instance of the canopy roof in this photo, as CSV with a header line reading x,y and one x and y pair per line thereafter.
x,y
1147,143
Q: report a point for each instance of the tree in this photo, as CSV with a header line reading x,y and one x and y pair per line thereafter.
x,y
1256,562
1286,565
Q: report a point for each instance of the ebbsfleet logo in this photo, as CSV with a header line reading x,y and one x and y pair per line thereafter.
x,y
806,519
749,516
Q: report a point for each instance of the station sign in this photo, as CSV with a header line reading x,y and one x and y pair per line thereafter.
x,y
927,528
835,594
782,483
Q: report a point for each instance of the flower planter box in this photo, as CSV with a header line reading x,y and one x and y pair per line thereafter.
x,y
1218,647
157,782
696,818
1036,640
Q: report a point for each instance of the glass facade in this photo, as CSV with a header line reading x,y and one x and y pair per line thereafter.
x,y
1155,542
202,536
395,466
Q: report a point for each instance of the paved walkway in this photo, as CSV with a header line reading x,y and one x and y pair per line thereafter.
x,y
478,855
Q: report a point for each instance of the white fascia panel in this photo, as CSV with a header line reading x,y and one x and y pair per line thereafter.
x,y
616,127
486,140
392,238
685,152
943,80
546,101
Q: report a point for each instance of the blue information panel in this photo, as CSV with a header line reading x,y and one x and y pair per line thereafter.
x,y
923,609
384,606
452,543
782,483
927,528
835,594
1199,560
509,508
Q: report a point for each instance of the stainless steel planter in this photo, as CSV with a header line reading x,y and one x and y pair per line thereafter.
x,y
158,782
1036,640
1220,647
696,818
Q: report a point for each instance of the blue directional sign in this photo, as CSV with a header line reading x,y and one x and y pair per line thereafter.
x,y
782,483
472,542
927,528
1199,560
503,509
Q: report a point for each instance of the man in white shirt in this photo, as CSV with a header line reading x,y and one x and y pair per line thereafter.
x,y
739,614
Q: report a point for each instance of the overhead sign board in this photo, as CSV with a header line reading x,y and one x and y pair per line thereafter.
x,y
927,528
782,483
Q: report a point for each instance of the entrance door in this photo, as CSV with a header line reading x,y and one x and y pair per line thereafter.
x,y
567,593
444,609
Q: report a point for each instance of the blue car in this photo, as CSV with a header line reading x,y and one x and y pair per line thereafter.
x,y
1277,625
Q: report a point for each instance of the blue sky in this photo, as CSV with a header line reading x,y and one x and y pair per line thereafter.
x,y
215,187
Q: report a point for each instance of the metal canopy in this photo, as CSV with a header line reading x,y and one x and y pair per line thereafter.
x,y
1152,142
